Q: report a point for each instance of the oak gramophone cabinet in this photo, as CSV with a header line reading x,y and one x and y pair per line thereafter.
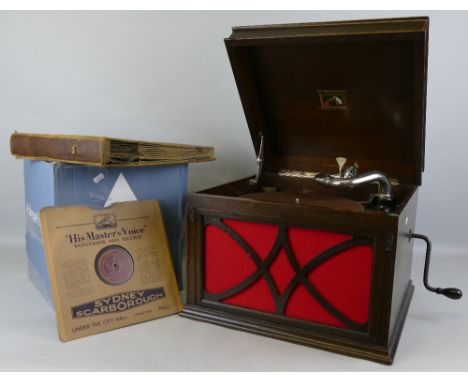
x,y
316,248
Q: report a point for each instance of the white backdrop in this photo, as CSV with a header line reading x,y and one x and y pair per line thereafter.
x,y
166,76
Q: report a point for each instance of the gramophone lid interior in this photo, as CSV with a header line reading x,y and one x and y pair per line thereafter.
x,y
355,89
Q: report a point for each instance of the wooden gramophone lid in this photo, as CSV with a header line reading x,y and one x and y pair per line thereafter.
x,y
317,91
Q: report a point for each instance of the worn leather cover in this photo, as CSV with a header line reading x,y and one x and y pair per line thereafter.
x,y
104,151
71,149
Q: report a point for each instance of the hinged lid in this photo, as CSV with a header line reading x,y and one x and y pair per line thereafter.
x,y
355,89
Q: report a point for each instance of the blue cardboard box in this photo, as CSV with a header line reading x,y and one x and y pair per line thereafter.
x,y
58,184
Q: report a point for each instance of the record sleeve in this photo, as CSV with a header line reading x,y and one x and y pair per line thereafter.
x,y
108,268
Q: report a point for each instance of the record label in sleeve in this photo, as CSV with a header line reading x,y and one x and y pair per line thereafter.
x,y
114,265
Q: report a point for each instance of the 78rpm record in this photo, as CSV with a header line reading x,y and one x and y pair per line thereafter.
x,y
114,265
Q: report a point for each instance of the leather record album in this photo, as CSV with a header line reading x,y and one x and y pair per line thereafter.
x,y
105,151
108,268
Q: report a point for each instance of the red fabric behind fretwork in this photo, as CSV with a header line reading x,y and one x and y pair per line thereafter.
x,y
344,279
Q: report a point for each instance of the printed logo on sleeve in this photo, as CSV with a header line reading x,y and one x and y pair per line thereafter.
x,y
118,302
